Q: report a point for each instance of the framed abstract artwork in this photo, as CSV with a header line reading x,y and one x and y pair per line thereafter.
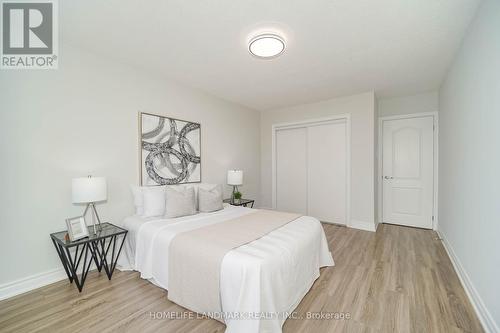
x,y
170,150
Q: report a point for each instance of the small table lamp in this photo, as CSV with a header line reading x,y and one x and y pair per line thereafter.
x,y
89,190
234,178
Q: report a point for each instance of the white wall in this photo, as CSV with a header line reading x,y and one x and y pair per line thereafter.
x,y
425,102
362,110
82,119
469,177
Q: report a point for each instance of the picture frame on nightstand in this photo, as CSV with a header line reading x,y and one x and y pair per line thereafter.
x,y
77,228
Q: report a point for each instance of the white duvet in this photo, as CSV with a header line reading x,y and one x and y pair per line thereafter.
x,y
262,282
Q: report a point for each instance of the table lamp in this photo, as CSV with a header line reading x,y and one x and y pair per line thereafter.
x,y
89,190
234,178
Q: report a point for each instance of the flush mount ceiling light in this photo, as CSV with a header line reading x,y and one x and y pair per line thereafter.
x,y
266,46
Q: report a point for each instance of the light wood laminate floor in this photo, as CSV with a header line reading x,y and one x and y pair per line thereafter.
x,y
395,280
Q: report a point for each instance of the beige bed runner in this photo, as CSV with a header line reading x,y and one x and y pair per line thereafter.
x,y
195,257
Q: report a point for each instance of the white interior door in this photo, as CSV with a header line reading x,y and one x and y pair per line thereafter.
x,y
291,170
327,172
408,171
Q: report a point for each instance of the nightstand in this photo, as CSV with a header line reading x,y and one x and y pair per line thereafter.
x,y
102,248
241,202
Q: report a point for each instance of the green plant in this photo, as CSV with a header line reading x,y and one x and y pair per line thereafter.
x,y
237,195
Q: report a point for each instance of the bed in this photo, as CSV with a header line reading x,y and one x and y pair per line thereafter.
x,y
261,282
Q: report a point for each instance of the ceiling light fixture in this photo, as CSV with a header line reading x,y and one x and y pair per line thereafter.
x,y
266,46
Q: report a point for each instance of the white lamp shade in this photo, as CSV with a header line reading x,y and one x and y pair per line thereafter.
x,y
88,189
235,177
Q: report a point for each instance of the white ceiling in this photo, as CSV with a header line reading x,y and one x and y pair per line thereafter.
x,y
334,47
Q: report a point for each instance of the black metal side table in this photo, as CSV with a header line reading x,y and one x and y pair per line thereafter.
x,y
241,202
95,248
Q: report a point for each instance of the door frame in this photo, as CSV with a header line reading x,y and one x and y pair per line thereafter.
x,y
311,122
380,138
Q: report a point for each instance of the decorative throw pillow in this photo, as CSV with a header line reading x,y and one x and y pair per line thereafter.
x,y
210,200
153,201
205,186
180,201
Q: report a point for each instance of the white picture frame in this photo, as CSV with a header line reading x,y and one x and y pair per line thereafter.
x,y
77,228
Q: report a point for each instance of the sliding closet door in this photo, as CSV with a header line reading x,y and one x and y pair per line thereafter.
x,y
291,170
327,172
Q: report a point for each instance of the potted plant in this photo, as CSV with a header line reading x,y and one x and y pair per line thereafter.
x,y
237,197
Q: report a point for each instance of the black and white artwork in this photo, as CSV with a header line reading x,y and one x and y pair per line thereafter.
x,y
170,150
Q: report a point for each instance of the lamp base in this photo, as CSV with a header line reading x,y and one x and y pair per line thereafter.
x,y
235,189
98,227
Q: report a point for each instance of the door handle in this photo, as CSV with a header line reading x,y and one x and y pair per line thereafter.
x,y
388,177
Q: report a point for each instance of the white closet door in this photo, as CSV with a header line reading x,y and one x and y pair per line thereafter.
x,y
327,174
291,170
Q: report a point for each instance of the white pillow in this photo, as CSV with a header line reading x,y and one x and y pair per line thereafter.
x,y
180,201
153,201
205,186
210,200
196,186
138,199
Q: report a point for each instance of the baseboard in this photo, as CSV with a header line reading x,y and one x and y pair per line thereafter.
x,y
485,317
29,283
362,225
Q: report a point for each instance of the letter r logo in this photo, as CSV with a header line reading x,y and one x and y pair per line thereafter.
x,y
27,28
